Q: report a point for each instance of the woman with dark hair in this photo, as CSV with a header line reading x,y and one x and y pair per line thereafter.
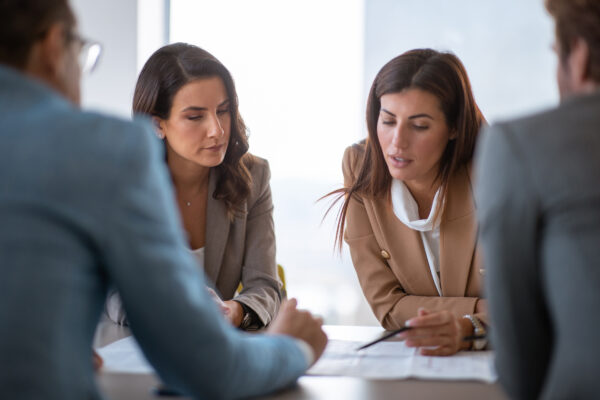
x,y
222,191
408,214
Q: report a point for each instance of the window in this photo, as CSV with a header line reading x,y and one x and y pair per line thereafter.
x,y
303,69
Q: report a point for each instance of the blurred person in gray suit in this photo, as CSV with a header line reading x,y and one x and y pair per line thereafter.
x,y
86,202
538,192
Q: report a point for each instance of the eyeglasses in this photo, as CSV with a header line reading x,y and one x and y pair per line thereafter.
x,y
89,52
89,55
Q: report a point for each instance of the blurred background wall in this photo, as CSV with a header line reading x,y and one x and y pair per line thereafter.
x,y
303,69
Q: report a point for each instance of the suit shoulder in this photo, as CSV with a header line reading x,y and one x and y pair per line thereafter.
x,y
353,156
256,163
115,128
105,147
355,151
112,135
260,172
532,126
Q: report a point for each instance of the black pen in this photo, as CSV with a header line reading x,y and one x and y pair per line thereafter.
x,y
397,331
386,336
162,390
474,337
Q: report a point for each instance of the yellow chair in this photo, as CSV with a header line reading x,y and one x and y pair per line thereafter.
x,y
281,275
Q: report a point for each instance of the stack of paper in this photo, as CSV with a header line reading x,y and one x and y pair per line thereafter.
x,y
393,360
385,360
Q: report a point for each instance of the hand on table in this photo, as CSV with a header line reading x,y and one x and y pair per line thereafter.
x,y
232,310
96,360
301,325
438,333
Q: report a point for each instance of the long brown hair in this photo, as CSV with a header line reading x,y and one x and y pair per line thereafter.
x,y
441,74
167,71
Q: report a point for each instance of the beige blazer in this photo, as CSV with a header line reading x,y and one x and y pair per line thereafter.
x,y
390,259
243,250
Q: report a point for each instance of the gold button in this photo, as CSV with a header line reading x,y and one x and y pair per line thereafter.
x,y
482,271
385,254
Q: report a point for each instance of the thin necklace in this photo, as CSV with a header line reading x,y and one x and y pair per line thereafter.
x,y
189,202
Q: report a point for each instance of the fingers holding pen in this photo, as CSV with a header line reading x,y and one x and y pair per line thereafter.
x,y
426,318
435,333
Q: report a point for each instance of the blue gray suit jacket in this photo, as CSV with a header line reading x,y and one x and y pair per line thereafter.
x,y
86,202
538,193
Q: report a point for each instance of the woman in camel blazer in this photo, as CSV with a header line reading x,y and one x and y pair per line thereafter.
x,y
408,214
222,191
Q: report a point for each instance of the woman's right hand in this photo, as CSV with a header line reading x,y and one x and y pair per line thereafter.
x,y
437,333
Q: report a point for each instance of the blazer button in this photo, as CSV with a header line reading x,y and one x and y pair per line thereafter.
x,y
482,271
385,254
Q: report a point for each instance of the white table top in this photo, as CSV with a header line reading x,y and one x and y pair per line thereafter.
x,y
119,386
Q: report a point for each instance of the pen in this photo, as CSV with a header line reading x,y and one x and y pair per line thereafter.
x,y
474,337
405,328
382,338
161,390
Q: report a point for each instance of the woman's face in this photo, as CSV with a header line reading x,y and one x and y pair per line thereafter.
x,y
199,124
413,134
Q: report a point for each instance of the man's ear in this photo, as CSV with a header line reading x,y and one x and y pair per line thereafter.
x,y
158,126
47,56
579,62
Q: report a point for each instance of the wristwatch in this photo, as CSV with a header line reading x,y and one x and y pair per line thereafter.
x,y
478,330
250,321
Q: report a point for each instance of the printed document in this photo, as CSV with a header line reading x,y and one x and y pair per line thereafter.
x,y
393,360
389,359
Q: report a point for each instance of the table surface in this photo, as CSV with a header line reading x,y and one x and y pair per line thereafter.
x,y
119,386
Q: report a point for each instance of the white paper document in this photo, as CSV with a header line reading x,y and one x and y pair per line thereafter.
x,y
393,360
385,360
125,356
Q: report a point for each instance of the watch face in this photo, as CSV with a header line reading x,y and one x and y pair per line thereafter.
x,y
479,344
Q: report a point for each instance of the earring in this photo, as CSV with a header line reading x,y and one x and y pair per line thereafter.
x,y
157,131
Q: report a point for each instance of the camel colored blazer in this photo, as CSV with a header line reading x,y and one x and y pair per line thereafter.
x,y
390,259
242,250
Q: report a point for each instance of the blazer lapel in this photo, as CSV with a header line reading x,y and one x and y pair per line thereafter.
x,y
405,246
217,230
458,237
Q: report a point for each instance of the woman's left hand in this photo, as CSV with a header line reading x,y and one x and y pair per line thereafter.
x,y
437,333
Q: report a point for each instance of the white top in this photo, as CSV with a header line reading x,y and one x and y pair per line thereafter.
x,y
199,254
406,209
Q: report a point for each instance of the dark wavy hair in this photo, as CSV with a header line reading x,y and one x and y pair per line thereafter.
x,y
578,18
444,76
167,71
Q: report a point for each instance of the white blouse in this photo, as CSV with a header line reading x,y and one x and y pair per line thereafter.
x,y
199,254
406,209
